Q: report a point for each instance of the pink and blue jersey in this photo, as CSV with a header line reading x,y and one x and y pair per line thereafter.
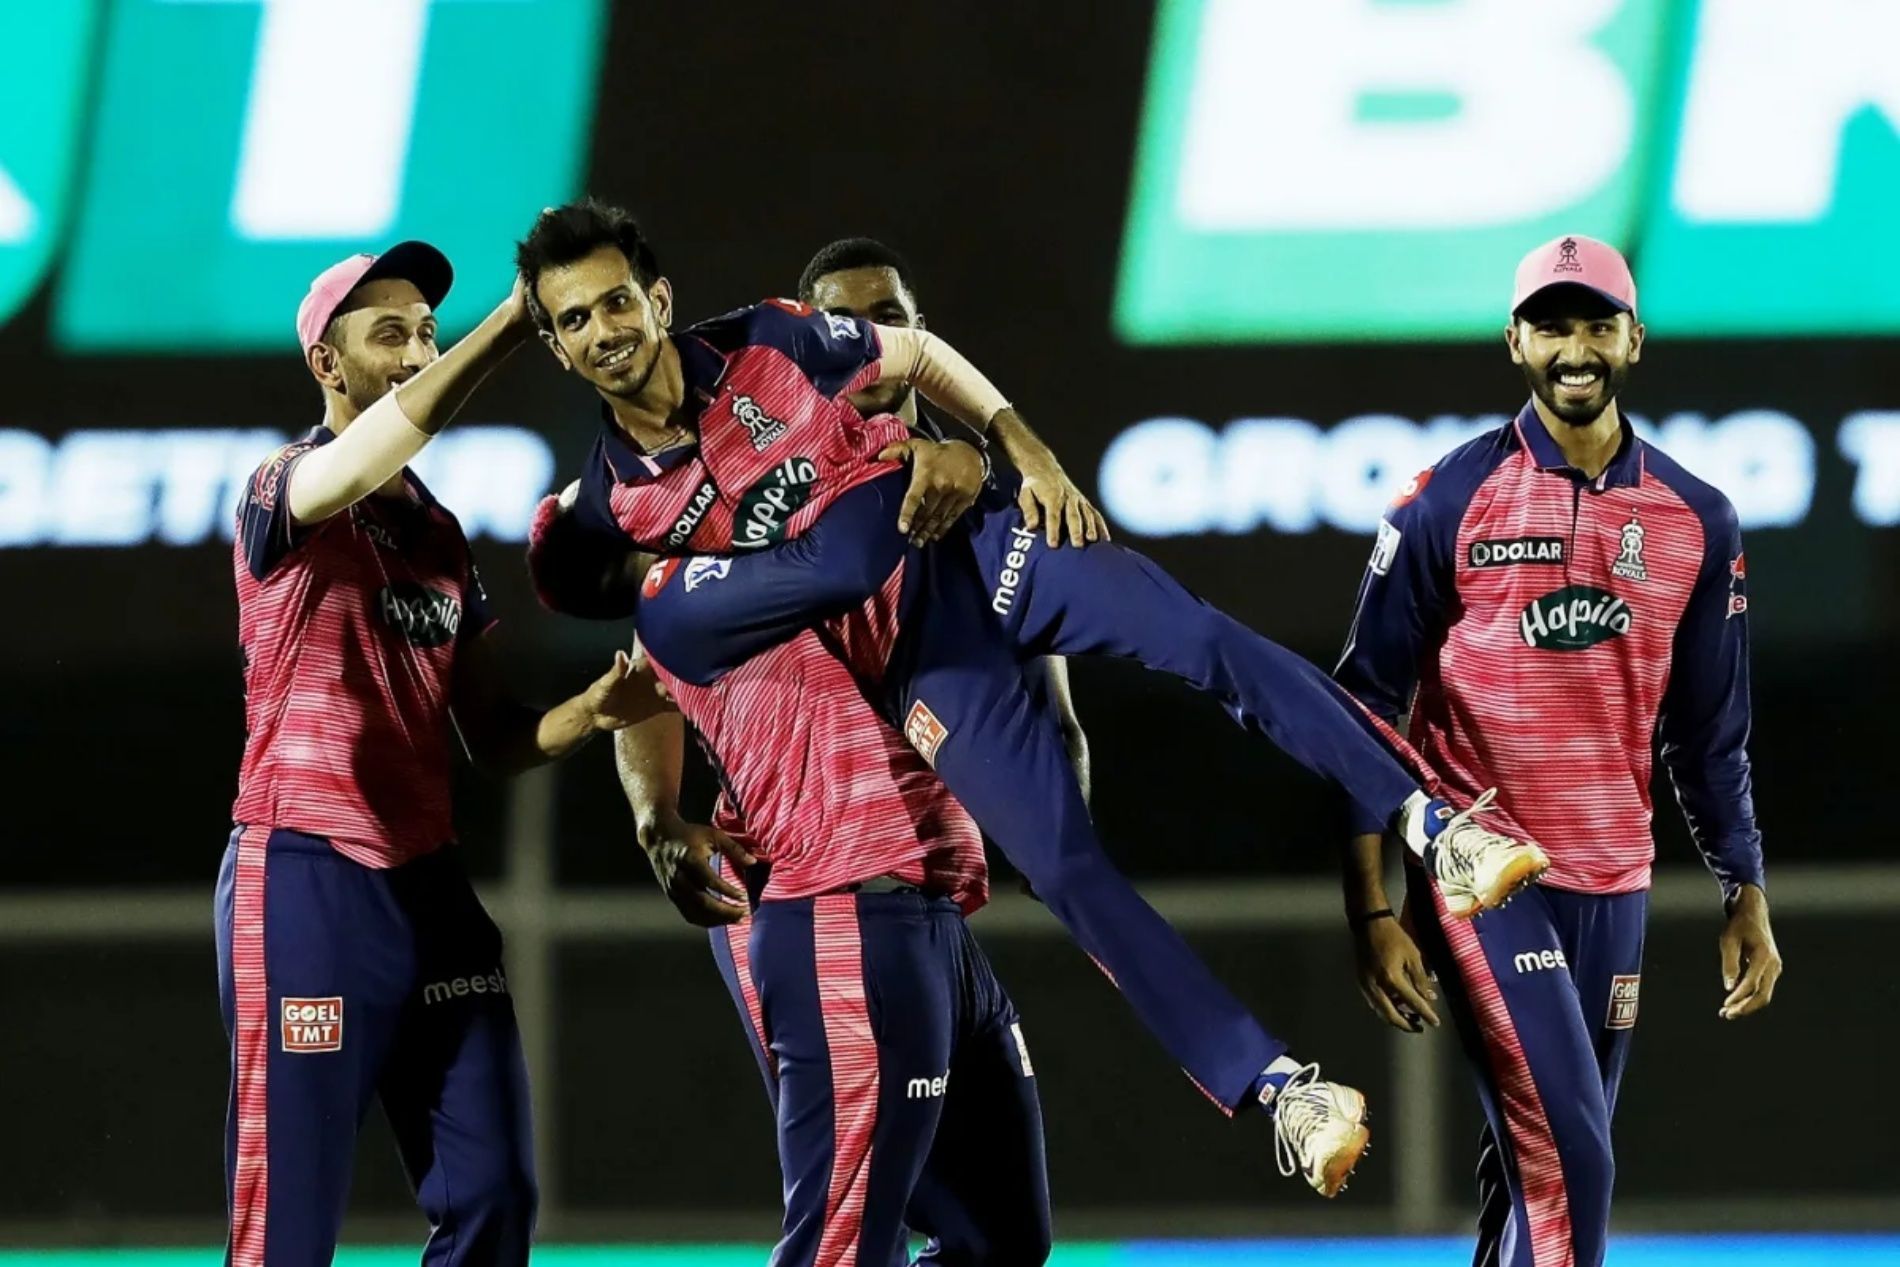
x,y
777,440
1542,628
350,629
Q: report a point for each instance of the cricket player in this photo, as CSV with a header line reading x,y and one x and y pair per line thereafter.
x,y
1543,601
981,1193
355,961
753,401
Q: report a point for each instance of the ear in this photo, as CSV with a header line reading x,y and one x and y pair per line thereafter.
x,y
661,295
1637,332
1510,341
554,346
325,365
919,324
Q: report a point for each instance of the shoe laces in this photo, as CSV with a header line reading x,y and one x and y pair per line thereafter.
x,y
1304,1105
1464,840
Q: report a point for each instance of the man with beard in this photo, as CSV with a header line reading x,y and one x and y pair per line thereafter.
x,y
355,961
737,435
1544,600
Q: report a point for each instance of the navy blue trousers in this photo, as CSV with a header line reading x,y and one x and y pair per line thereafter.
x,y
342,984
901,1080
1544,995
977,608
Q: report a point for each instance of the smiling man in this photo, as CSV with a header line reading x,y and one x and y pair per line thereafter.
x,y
1544,601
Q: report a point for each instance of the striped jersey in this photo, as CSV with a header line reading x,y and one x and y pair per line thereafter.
x,y
1544,627
349,630
776,442
812,780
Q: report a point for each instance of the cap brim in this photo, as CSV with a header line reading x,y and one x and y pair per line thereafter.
x,y
416,262
1545,289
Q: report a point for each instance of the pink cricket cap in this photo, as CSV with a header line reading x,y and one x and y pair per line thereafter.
x,y
1574,260
416,262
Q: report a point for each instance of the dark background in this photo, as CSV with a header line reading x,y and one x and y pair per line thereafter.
x,y
993,145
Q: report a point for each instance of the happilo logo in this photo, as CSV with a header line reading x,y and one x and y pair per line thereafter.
x,y
495,982
426,617
313,1024
1538,960
770,504
927,1088
1021,542
1574,618
691,517
924,731
760,427
1624,991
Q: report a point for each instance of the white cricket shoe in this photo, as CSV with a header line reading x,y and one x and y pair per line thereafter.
x,y
1481,870
1319,1130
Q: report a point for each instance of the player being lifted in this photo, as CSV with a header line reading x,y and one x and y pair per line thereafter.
x,y
851,815
735,434
355,959
1545,600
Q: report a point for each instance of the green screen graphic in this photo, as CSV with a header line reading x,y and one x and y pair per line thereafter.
x,y
309,131
45,64
1373,169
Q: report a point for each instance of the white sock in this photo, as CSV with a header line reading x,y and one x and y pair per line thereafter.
x,y
1412,822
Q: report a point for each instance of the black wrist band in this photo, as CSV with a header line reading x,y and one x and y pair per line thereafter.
x,y
1360,921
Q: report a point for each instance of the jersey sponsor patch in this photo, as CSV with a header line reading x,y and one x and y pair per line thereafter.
x,y
769,505
1413,487
312,1025
1624,990
1022,1049
1574,618
1737,578
1504,552
701,570
924,731
426,617
688,522
657,577
269,475
1385,549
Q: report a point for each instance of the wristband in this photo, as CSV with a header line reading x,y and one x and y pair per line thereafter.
x,y
1360,921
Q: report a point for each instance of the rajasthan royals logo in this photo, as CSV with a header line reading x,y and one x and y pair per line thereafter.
x,y
1629,564
1567,261
761,428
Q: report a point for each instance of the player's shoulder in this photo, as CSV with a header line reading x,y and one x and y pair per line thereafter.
x,y
1710,504
267,477
1443,491
785,325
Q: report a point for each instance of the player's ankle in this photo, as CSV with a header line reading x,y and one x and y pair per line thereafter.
x,y
1272,1081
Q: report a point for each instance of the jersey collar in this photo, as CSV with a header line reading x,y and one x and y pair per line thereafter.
x,y
1624,471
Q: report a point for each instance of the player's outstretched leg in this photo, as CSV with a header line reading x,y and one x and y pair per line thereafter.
x,y
962,701
1108,600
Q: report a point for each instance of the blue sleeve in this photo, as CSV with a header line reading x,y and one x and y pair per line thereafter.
x,y
1404,599
830,348
1706,714
703,617
264,526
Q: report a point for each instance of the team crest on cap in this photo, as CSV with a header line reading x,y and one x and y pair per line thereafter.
x,y
1567,261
